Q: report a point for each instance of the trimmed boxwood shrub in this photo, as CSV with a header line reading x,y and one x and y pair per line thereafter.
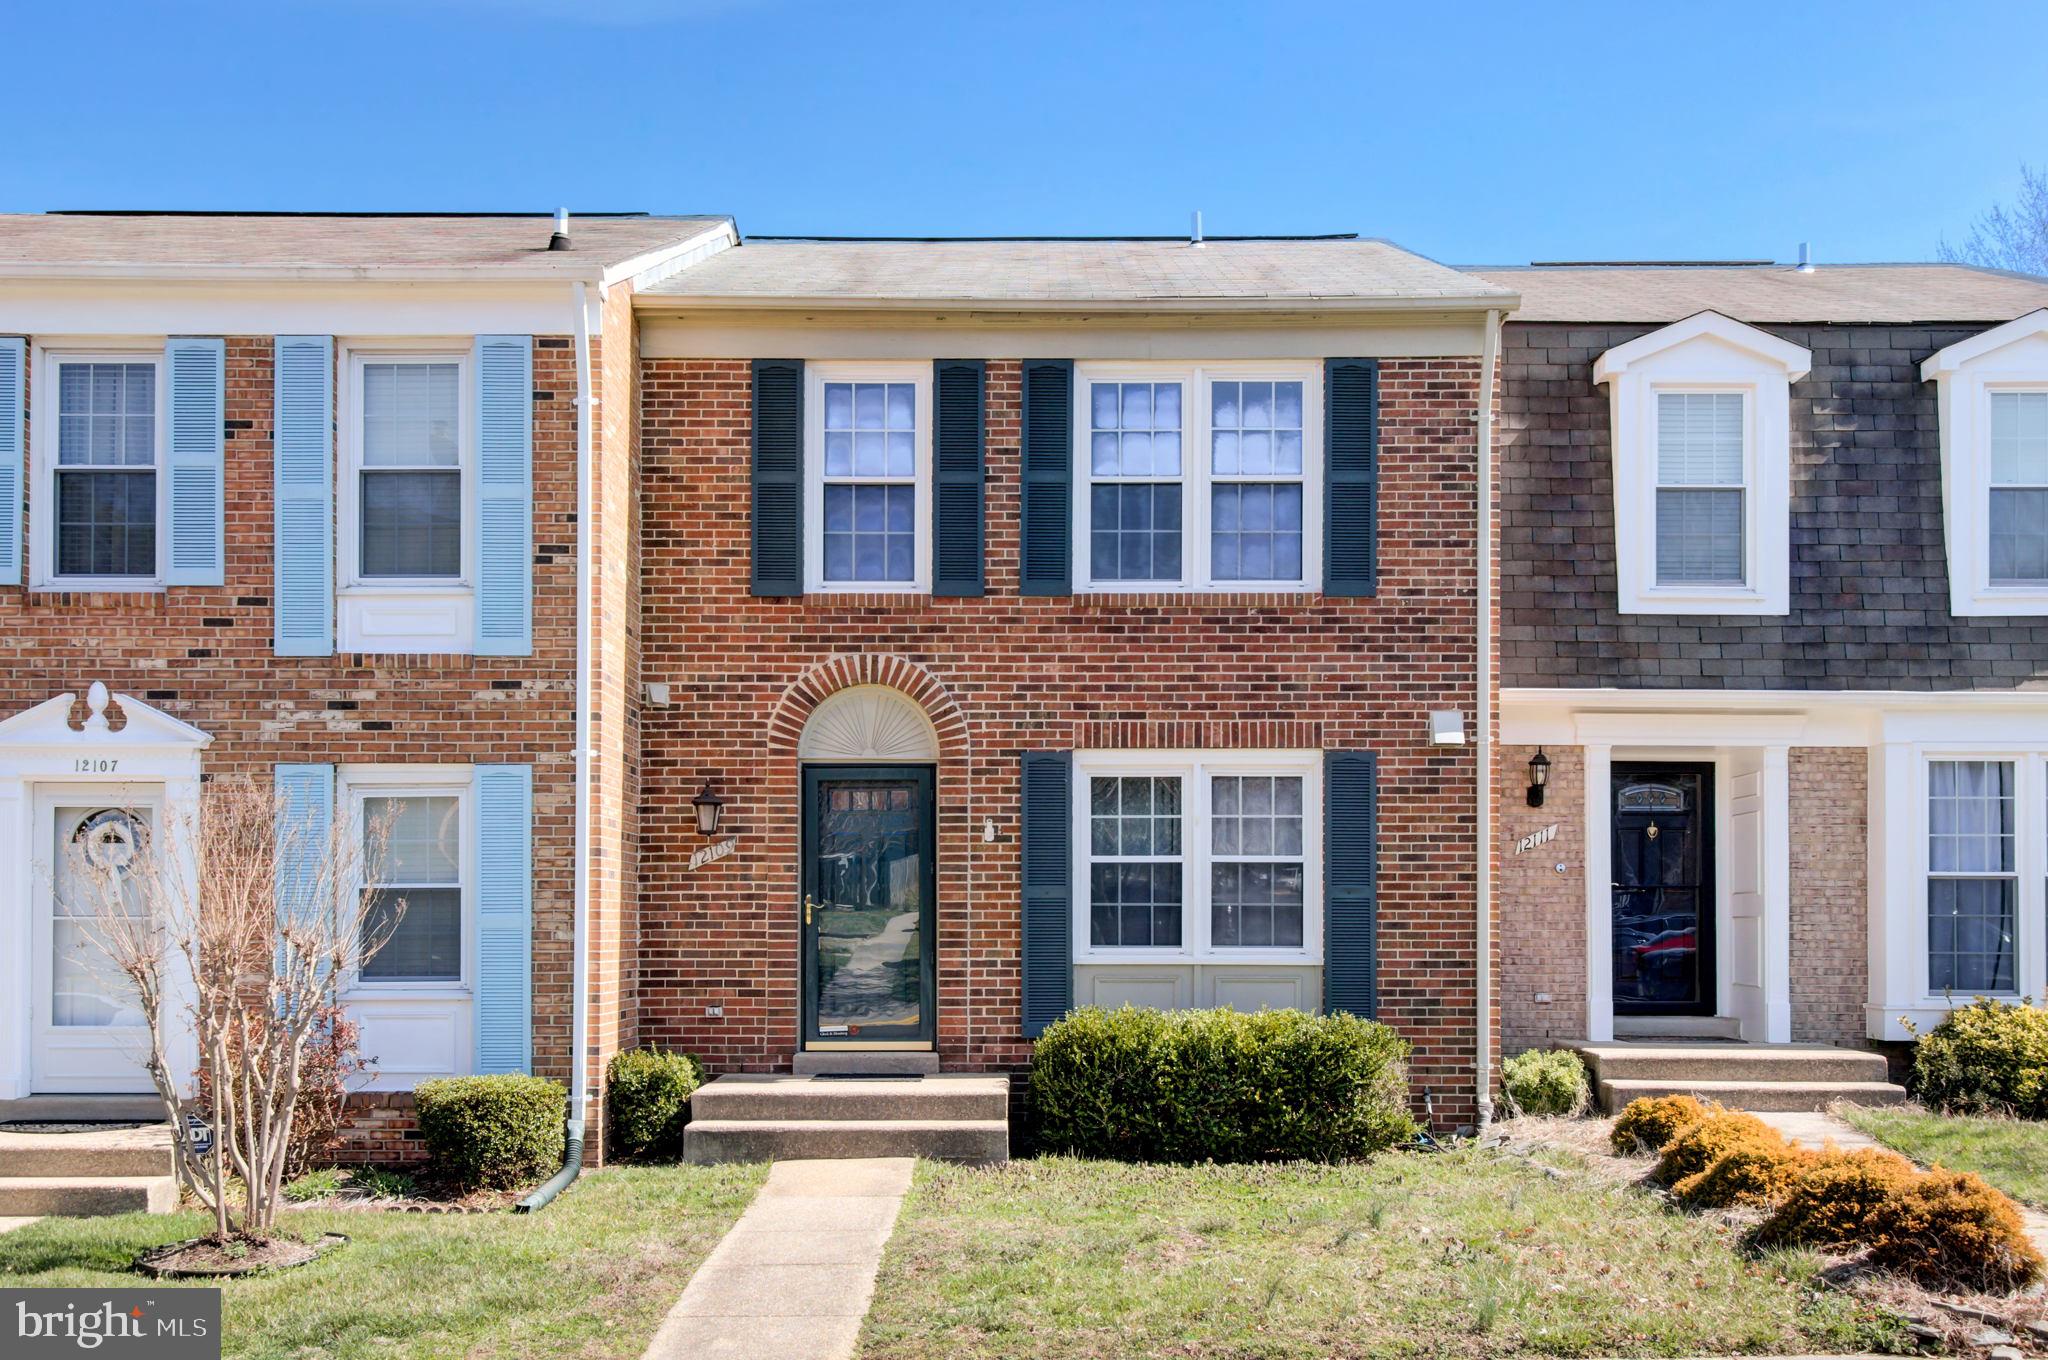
x,y
1219,1085
492,1132
1987,1057
1835,1199
1950,1230
647,1100
1649,1123
1545,1081
1700,1146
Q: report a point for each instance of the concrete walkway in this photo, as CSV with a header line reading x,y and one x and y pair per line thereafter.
x,y
793,1278
8,1225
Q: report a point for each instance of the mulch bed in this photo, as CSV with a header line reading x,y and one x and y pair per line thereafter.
x,y
209,1257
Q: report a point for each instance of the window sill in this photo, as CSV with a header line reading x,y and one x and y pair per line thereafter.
x,y
1182,959
407,991
1706,601
99,585
410,620
1141,588
2001,602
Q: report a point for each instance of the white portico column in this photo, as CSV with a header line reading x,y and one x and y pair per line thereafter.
x,y
1777,886
1599,760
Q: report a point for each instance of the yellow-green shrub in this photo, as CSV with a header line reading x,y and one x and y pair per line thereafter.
x,y
1989,1056
1835,1198
1950,1230
1700,1146
1750,1172
1649,1124
1545,1081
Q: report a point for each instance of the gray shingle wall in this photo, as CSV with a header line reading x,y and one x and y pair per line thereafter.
x,y
1869,574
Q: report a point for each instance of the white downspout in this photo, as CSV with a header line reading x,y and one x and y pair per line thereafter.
x,y
586,473
1483,1066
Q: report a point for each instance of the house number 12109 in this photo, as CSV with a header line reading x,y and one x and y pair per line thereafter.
x,y
95,765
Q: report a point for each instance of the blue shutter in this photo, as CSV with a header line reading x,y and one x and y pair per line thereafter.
x,y
1048,874
303,493
195,462
778,475
504,585
1351,476
305,819
504,918
957,476
1351,882
1046,558
13,389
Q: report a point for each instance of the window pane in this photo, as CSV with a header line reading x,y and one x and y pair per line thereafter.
x,y
1134,816
412,523
424,838
411,415
1255,428
1699,438
2019,438
1699,537
870,532
1134,905
106,523
2019,536
1969,934
106,415
1134,429
1970,816
1255,531
1255,905
426,945
1134,532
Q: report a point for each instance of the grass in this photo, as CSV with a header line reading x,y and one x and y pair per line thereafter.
x,y
2012,1154
1467,1253
590,1276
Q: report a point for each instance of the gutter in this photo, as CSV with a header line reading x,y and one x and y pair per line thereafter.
x,y
1482,1066
579,1003
1498,301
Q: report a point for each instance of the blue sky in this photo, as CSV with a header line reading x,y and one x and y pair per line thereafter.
x,y
1475,133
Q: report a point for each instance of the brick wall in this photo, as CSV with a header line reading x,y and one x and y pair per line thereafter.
x,y
1542,912
1869,574
1830,893
1006,674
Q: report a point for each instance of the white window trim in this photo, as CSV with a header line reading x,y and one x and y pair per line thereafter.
x,y
2030,865
1195,479
43,425
359,783
2012,357
1707,352
816,375
1193,768
348,494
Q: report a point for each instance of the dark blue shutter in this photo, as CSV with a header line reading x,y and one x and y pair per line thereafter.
x,y
1046,558
1351,476
196,462
302,489
13,466
1351,882
504,918
1048,874
504,488
957,455
778,521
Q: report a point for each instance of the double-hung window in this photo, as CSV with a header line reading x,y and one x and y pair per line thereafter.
x,y
1701,475
867,477
1198,478
409,491
104,472
1210,856
415,885
2019,488
1972,876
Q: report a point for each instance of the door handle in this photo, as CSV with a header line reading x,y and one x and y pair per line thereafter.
x,y
807,908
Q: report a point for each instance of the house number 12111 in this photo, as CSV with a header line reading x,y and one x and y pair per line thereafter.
x,y
96,765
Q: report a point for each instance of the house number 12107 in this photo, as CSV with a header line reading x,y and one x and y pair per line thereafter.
x,y
95,765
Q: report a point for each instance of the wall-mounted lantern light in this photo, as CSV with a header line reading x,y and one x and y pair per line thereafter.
x,y
1539,776
710,810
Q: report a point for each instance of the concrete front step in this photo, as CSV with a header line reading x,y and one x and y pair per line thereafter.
x,y
60,1109
1750,1063
81,1196
975,1141
955,1096
143,1151
1762,1095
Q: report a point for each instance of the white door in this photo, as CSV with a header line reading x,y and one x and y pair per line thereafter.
x,y
87,1033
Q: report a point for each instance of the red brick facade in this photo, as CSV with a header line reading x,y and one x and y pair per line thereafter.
x,y
1006,674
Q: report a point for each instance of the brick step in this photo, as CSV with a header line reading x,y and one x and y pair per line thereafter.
x,y
1765,1095
86,1196
977,1142
1750,1063
61,1109
88,1151
779,1098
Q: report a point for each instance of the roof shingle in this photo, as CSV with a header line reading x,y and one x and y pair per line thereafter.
x,y
1884,294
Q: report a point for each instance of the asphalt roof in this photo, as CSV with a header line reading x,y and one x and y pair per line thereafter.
x,y
1756,293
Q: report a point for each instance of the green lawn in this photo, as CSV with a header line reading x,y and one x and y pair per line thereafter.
x,y
2010,1153
590,1276
1459,1254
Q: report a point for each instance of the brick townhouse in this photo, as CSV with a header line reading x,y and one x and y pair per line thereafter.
x,y
1774,552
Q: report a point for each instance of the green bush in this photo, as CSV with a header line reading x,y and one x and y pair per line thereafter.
x,y
1986,1057
1545,1081
322,1184
647,1101
1219,1085
492,1132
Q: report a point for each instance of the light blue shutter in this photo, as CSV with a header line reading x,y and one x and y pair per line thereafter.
x,y
504,586
305,816
13,368
303,492
504,918
198,498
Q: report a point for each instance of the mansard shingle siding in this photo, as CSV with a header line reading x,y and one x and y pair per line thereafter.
x,y
1869,574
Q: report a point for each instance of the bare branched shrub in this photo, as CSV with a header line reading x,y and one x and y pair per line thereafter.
x,y
197,910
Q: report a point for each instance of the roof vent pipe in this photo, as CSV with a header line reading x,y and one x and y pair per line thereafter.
x,y
560,240
1195,233
1805,257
